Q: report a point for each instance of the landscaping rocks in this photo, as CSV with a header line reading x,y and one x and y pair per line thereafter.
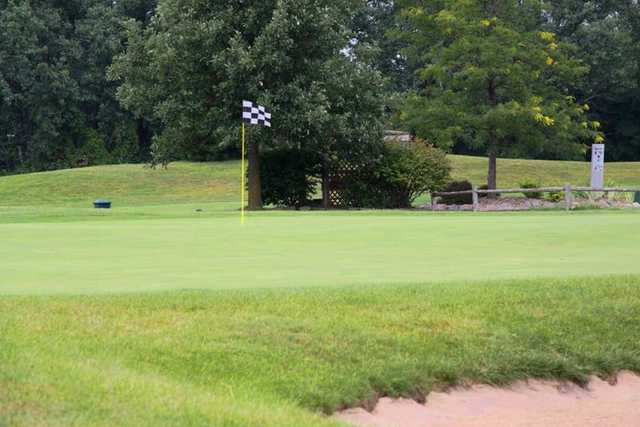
x,y
523,204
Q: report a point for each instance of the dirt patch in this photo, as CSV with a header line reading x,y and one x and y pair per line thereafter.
x,y
524,404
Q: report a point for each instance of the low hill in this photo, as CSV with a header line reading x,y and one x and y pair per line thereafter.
x,y
185,182
130,185
511,172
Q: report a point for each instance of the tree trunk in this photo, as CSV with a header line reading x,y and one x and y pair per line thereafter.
x,y
492,145
144,140
492,181
326,197
255,184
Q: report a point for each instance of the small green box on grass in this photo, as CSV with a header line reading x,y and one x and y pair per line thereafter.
x,y
102,204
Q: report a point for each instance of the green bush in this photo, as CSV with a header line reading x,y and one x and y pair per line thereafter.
x,y
556,196
581,195
460,199
289,177
398,177
531,184
94,151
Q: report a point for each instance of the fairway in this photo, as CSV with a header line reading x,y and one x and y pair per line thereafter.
x,y
119,252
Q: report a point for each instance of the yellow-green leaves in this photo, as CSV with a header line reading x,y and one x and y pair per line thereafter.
x,y
539,117
547,36
488,23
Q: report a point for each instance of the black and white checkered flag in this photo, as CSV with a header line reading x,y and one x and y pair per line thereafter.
x,y
254,114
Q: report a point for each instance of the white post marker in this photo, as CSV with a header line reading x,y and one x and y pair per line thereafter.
x,y
597,166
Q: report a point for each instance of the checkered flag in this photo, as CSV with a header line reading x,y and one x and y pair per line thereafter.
x,y
254,114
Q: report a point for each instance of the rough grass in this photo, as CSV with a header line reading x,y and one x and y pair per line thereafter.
x,y
183,182
280,358
512,172
127,185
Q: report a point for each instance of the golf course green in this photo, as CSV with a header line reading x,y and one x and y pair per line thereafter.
x,y
166,311
210,250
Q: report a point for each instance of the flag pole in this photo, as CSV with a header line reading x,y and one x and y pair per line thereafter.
x,y
242,178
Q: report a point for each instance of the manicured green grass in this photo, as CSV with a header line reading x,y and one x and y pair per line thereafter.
x,y
131,251
280,358
165,311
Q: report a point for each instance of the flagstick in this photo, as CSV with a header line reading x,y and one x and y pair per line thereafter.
x,y
242,178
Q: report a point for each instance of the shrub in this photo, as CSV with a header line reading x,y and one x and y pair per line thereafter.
x,y
289,177
581,195
94,150
401,174
531,184
556,196
460,199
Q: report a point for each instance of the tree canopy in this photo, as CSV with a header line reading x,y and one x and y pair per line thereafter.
x,y
191,67
97,81
57,108
492,80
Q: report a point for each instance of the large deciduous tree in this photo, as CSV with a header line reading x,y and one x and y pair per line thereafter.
x,y
192,66
492,79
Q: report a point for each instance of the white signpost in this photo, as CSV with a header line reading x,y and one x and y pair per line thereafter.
x,y
597,166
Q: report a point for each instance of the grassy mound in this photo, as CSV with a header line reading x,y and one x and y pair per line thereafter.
x,y
511,172
127,185
280,358
182,182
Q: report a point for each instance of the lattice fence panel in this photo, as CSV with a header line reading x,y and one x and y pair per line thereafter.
x,y
340,172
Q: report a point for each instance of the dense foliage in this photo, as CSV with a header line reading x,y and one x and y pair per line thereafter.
x,y
529,184
401,174
96,81
492,80
191,67
57,108
606,34
457,199
290,177
600,37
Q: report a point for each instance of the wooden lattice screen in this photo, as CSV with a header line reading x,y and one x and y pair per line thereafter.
x,y
339,172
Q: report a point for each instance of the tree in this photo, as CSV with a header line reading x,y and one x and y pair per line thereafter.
x,y
35,83
493,79
607,41
191,67
57,108
374,27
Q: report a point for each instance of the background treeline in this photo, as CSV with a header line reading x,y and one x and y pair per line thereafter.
x,y
86,82
57,107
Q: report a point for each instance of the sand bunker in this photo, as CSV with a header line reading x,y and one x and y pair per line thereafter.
x,y
524,404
